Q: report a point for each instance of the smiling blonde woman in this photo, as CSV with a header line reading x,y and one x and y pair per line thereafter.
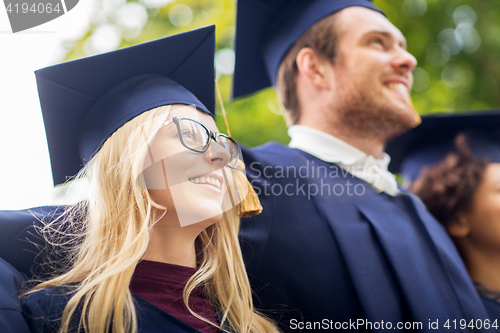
x,y
154,248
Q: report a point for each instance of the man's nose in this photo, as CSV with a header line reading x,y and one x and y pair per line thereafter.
x,y
404,61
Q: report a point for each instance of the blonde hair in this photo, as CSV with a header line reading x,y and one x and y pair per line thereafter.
x,y
116,222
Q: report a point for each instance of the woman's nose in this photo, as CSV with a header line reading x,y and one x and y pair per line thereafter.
x,y
217,155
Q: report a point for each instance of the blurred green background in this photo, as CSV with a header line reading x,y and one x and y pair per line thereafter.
x,y
456,43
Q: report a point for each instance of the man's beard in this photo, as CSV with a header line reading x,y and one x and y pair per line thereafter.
x,y
360,115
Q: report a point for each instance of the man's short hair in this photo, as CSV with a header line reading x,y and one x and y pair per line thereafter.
x,y
322,39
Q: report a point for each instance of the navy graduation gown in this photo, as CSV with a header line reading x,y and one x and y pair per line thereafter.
x,y
11,318
329,251
43,311
22,246
493,308
19,248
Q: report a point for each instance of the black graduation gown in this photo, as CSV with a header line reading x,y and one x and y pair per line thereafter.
x,y
328,250
43,311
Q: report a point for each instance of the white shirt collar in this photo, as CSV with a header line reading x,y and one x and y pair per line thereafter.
x,y
333,150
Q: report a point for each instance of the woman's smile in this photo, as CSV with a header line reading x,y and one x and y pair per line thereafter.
x,y
211,180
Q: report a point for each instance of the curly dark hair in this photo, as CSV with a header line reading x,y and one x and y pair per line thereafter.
x,y
448,187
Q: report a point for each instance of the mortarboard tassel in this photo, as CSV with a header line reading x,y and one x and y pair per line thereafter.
x,y
250,204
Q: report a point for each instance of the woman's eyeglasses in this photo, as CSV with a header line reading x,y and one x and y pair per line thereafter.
x,y
196,137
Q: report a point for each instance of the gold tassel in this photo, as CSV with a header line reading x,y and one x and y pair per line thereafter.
x,y
250,204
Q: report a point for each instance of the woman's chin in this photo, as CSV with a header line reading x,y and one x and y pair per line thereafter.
x,y
195,216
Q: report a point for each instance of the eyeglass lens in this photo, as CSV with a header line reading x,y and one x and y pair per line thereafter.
x,y
196,137
193,134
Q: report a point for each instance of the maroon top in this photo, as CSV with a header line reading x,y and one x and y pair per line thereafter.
x,y
162,285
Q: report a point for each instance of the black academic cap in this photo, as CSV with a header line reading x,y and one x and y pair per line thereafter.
x,y
85,101
430,142
266,30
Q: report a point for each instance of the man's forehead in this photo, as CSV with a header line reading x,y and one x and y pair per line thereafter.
x,y
358,21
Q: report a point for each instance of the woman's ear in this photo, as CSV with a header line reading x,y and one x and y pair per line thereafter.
x,y
313,68
460,227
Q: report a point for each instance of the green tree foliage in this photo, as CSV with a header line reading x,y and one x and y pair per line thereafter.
x,y
456,43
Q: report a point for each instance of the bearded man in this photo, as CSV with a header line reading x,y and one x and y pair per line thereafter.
x,y
339,245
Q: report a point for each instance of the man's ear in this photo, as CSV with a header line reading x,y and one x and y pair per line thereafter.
x,y
313,68
460,227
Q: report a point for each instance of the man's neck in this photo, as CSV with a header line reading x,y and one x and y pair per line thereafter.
x,y
368,145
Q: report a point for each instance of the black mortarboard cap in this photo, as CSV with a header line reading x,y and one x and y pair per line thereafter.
x,y
266,30
85,101
430,142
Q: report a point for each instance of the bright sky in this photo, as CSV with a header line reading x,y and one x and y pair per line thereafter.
x,y
25,176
